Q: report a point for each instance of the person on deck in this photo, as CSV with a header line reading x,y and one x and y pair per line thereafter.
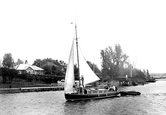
x,y
113,88
82,79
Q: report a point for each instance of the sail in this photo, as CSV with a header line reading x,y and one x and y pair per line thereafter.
x,y
69,77
86,71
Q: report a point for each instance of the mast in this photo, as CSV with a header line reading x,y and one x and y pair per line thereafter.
x,y
77,56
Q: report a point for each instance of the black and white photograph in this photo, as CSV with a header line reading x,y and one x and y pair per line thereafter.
x,y
82,57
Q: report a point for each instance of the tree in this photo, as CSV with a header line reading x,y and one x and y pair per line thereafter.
x,y
8,74
107,63
94,67
19,61
139,76
113,61
120,59
4,74
38,62
51,66
8,60
26,62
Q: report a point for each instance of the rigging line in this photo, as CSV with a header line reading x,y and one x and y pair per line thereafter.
x,y
82,53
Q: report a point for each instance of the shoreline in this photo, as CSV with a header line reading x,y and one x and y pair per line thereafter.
x,y
30,89
37,88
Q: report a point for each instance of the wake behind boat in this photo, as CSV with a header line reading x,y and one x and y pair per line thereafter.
x,y
75,92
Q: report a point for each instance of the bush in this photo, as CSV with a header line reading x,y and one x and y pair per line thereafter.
x,y
8,74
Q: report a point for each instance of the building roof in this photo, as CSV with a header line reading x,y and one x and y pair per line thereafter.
x,y
26,66
50,64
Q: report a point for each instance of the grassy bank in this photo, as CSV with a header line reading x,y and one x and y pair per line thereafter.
x,y
21,85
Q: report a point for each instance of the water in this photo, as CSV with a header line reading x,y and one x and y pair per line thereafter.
x,y
152,101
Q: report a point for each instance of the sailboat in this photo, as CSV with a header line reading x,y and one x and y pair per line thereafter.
x,y
74,92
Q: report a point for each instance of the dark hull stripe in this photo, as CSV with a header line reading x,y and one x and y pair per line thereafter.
x,y
77,97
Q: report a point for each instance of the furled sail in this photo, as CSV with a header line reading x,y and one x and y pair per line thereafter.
x,y
69,77
85,71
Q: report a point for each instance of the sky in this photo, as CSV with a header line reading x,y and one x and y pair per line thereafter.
x,y
38,29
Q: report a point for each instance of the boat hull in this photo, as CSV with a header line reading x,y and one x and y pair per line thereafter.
x,y
79,97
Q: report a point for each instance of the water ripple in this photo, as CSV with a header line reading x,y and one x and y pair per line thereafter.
x,y
152,101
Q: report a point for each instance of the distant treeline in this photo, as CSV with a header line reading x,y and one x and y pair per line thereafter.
x,y
158,75
115,63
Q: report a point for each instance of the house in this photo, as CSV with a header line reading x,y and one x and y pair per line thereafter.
x,y
27,68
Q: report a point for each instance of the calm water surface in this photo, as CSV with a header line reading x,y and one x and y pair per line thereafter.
x,y
152,101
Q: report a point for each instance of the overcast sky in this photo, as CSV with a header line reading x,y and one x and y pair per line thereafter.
x,y
37,29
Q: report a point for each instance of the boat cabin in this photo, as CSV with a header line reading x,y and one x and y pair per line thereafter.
x,y
94,91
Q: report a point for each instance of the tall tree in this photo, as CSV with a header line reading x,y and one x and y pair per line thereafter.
x,y
8,60
108,63
120,59
19,61
113,61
